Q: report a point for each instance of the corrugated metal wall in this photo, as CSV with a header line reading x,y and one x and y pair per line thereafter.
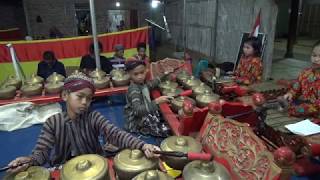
x,y
233,18
310,22
200,24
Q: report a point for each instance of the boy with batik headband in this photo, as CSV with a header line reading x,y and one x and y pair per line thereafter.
x,y
141,113
76,131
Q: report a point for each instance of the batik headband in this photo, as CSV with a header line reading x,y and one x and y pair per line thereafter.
x,y
78,81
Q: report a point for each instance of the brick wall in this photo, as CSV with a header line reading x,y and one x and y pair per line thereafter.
x,y
57,13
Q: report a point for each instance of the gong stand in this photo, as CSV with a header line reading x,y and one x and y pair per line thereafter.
x,y
274,137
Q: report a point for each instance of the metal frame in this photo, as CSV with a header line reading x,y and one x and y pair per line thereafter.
x,y
94,34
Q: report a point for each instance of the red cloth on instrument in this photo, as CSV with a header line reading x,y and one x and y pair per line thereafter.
x,y
305,167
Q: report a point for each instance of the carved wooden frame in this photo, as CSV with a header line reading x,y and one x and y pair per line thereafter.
x,y
235,142
157,68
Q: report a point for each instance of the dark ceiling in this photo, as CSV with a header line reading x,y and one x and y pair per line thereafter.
x,y
11,2
19,2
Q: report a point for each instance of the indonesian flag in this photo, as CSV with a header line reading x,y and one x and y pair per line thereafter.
x,y
256,27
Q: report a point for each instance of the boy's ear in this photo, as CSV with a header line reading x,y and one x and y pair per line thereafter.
x,y
64,95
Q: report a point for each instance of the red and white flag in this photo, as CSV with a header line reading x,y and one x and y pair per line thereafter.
x,y
256,27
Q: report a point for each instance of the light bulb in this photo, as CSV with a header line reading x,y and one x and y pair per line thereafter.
x,y
155,3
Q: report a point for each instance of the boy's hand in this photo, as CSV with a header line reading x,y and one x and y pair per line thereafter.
x,y
148,150
19,164
288,96
163,99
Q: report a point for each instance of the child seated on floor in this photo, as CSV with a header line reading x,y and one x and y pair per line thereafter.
x,y
305,91
141,54
49,65
141,113
249,69
76,131
118,58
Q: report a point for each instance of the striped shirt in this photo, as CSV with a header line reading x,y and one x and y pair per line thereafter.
x,y
138,104
141,113
139,100
69,138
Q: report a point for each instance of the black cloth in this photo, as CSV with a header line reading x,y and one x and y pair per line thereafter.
x,y
130,65
117,62
226,66
89,63
45,70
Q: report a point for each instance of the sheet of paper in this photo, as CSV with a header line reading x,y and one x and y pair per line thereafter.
x,y
304,128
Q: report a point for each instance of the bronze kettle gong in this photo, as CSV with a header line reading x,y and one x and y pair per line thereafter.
x,y
7,92
177,103
117,72
153,175
32,173
204,99
121,80
13,81
171,92
55,77
54,87
205,170
183,144
97,73
189,83
168,85
129,163
34,79
101,82
182,76
31,89
85,167
197,90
